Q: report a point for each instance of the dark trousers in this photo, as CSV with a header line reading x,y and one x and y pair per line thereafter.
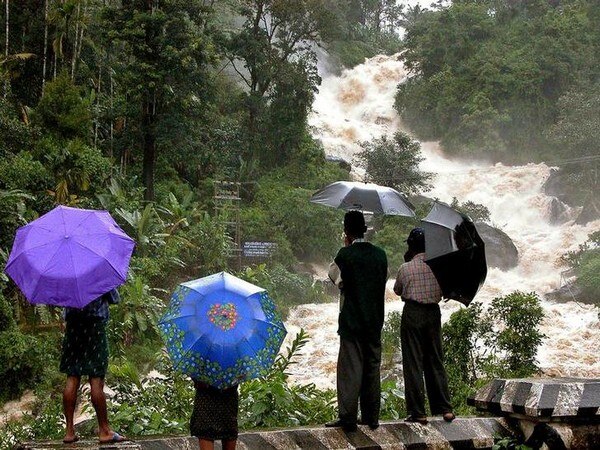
x,y
358,379
421,340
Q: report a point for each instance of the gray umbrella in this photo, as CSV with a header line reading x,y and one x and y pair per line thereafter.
x,y
366,197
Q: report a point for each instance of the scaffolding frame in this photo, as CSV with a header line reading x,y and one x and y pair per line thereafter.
x,y
227,203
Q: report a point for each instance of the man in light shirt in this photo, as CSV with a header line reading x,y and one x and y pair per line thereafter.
x,y
420,335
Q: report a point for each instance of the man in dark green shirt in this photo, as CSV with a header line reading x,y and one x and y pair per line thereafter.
x,y
360,271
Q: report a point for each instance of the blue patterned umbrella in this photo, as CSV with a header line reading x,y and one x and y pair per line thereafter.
x,y
222,330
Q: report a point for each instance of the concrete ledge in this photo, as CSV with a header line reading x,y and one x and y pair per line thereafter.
x,y
541,399
463,433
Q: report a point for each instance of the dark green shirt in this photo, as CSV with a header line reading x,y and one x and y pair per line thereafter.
x,y
363,268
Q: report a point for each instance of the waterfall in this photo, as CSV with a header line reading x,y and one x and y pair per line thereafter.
x,y
358,106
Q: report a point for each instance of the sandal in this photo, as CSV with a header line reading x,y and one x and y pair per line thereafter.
x,y
116,437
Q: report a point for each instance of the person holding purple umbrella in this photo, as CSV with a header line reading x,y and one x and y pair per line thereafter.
x,y
85,353
75,258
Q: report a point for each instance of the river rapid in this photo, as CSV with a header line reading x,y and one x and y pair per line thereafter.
x,y
358,106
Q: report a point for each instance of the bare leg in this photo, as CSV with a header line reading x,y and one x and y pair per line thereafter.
x,y
229,444
205,444
99,402
69,402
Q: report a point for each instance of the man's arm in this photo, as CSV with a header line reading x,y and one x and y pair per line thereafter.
x,y
398,287
335,274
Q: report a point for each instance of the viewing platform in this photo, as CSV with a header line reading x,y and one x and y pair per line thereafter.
x,y
467,433
546,413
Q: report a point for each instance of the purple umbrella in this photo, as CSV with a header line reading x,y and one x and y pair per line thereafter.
x,y
69,257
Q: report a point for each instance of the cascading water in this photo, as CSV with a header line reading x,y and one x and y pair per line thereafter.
x,y
358,106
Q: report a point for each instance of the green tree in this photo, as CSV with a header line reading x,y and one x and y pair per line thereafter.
x,y
162,67
488,75
273,55
63,111
394,163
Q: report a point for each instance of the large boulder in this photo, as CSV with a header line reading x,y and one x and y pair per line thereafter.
x,y
500,251
589,212
566,293
572,189
559,212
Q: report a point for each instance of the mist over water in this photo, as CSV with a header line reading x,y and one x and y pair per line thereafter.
x,y
358,106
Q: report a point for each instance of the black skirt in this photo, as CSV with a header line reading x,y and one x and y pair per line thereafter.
x,y
215,413
85,348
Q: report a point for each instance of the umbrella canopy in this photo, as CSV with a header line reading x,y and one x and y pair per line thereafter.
x,y
455,252
69,257
222,330
366,197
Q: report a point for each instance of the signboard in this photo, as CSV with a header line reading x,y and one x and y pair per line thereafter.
x,y
258,249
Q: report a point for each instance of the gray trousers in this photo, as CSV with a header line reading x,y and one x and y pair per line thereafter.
x,y
358,379
421,340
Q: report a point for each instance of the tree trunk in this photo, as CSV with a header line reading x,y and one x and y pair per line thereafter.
x,y
6,46
149,148
7,28
112,118
76,42
45,45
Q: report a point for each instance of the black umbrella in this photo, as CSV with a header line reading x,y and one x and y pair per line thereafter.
x,y
455,252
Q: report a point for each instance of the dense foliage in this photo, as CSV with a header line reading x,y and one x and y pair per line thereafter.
x,y
138,108
506,80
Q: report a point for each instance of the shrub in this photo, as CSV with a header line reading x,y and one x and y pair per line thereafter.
x,y
308,227
500,342
273,402
587,276
150,405
22,362
62,110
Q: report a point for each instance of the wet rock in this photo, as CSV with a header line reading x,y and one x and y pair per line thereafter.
x,y
556,185
570,292
339,161
590,211
328,287
575,190
500,251
564,294
558,213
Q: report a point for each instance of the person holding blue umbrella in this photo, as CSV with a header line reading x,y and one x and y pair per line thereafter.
x,y
220,330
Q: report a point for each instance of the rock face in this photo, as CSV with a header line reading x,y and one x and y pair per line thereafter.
x,y
567,191
559,212
590,211
500,251
566,293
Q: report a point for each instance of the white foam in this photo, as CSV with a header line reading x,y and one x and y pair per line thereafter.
x,y
358,105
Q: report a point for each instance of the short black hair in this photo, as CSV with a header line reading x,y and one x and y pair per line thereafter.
x,y
354,223
416,240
